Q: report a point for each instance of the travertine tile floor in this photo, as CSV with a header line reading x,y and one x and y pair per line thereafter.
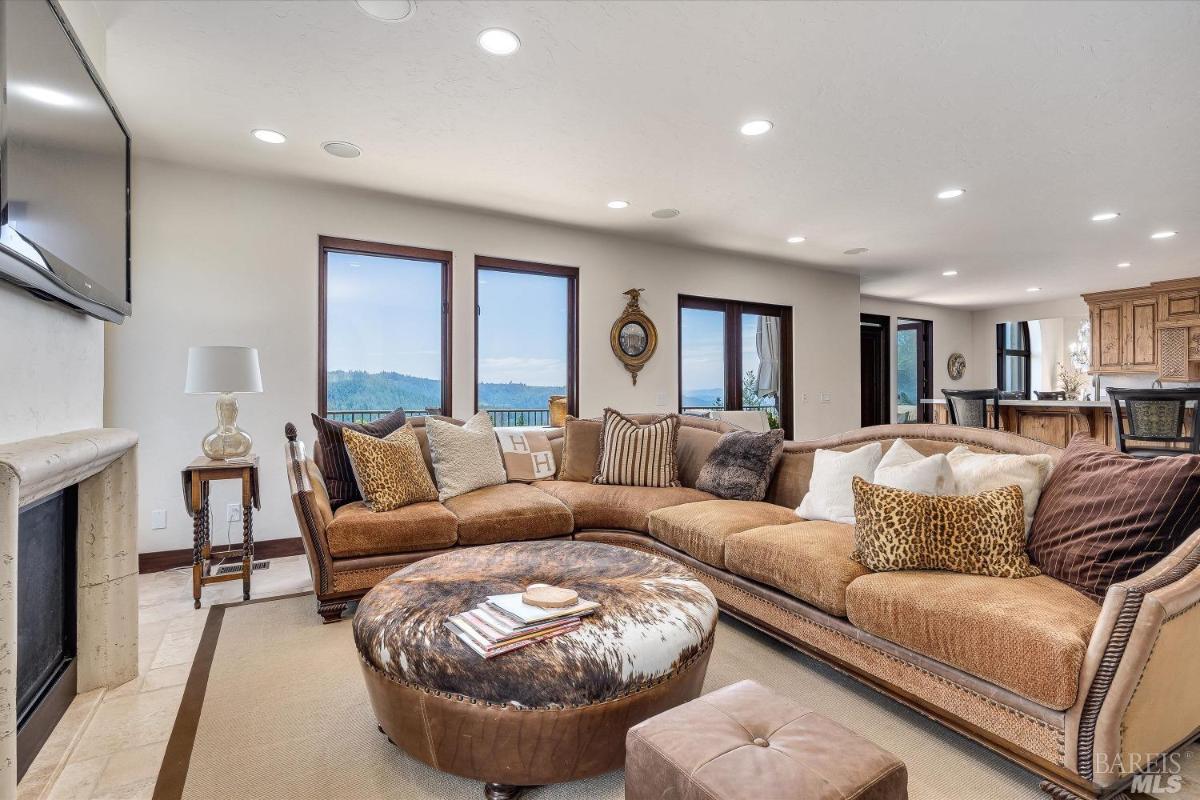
x,y
111,742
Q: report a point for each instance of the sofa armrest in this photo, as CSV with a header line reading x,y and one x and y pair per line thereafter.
x,y
310,501
1138,698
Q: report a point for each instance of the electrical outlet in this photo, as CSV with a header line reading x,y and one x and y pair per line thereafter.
x,y
804,397
826,397
661,399
233,513
158,519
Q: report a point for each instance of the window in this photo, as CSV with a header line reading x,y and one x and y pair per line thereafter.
x,y
526,341
735,356
383,329
1013,359
914,369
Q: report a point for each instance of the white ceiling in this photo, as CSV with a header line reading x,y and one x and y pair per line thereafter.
x,y
1046,112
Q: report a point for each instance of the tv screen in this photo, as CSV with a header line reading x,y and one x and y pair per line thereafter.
x,y
64,174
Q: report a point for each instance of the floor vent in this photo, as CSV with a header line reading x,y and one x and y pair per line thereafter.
x,y
228,569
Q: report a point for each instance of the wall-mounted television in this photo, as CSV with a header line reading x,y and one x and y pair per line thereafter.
x,y
64,167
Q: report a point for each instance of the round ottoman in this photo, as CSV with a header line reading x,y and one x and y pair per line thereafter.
x,y
551,712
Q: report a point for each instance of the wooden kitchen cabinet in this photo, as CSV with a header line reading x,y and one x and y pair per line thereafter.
x,y
1108,348
1179,351
1124,335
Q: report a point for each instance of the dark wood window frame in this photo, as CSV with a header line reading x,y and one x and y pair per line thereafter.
x,y
328,244
1026,354
733,348
494,264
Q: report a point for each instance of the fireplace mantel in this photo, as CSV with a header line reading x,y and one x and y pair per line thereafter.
x,y
102,461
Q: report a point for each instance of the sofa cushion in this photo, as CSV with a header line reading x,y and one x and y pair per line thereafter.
x,y
358,531
808,560
465,457
331,457
390,472
636,454
597,506
700,529
508,512
741,464
1028,635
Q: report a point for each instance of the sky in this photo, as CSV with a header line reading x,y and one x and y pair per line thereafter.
x,y
384,314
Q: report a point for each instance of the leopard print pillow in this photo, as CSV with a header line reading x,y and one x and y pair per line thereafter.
x,y
979,534
390,472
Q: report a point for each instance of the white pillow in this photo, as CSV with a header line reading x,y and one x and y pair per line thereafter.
x,y
978,472
830,490
902,467
466,457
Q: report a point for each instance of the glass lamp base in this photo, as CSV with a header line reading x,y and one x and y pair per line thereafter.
x,y
220,445
227,440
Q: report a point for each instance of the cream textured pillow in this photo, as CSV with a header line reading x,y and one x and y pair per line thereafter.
x,y
465,458
902,467
390,472
830,491
978,472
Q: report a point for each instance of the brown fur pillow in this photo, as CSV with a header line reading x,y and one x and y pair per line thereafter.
x,y
741,465
979,534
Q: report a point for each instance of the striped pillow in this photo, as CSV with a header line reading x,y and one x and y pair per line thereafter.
x,y
637,455
1105,517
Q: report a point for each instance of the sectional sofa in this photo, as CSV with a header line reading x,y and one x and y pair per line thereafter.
x,y
1081,693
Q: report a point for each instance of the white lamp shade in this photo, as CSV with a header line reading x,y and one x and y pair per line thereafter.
x,y
215,370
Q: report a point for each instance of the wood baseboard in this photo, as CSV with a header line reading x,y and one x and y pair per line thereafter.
x,y
161,560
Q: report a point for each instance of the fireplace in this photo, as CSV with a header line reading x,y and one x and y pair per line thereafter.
x,y
68,581
46,607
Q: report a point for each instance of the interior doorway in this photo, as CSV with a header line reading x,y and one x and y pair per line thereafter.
x,y
914,369
875,378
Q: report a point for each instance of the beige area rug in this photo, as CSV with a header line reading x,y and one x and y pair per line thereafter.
x,y
276,709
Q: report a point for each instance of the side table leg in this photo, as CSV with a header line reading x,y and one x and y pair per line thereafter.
x,y
247,549
199,513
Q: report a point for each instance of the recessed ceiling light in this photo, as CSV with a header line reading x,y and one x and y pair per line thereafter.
x,y
665,213
1034,289
950,194
387,10
950,273
342,149
795,239
1163,234
499,42
618,204
268,136
40,94
1105,216
1124,265
854,251
757,127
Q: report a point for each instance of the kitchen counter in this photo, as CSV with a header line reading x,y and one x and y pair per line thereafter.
x,y
1043,403
1050,421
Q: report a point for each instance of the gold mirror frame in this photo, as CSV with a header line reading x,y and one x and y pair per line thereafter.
x,y
633,313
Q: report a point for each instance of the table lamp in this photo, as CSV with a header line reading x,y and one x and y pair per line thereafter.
x,y
223,371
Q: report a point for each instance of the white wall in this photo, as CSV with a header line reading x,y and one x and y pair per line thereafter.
x,y
951,334
983,329
228,259
52,358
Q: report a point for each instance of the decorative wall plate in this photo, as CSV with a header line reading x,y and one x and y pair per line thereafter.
x,y
633,336
956,365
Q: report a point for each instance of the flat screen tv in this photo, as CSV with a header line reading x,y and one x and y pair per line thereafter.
x,y
64,167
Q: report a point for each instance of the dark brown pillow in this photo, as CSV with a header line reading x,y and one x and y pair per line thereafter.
x,y
1106,517
741,464
581,449
333,460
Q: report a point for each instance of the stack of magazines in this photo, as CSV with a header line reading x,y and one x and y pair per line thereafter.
x,y
504,623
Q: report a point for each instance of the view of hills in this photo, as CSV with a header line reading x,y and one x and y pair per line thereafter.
x,y
357,390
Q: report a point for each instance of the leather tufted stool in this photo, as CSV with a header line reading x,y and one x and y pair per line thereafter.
x,y
745,742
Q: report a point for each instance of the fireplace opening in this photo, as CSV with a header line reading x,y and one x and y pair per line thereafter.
x,y
46,619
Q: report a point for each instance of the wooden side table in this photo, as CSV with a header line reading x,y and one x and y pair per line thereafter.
x,y
196,478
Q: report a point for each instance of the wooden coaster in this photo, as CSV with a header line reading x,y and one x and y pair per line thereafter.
x,y
543,596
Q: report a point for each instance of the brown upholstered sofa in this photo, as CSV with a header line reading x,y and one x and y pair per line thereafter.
x,y
1083,694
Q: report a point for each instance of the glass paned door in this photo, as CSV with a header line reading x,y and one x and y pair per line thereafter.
x,y
702,360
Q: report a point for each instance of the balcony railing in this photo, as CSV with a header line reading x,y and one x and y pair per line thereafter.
x,y
501,417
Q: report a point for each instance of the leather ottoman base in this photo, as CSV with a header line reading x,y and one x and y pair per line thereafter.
x,y
511,746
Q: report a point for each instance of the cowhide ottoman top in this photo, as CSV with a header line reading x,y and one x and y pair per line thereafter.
x,y
653,618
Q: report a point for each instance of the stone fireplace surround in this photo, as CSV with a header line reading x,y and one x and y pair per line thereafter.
x,y
102,461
